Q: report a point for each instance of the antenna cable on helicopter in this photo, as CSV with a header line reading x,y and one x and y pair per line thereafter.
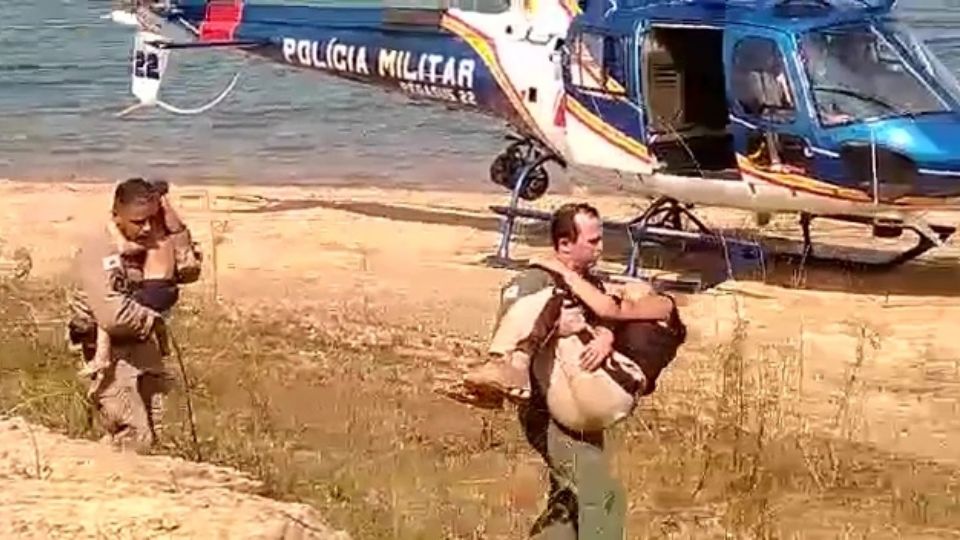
x,y
150,61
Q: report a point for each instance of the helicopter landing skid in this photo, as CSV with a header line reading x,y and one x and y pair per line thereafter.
x,y
665,222
669,223
928,237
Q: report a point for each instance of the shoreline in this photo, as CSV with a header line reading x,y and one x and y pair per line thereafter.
x,y
563,182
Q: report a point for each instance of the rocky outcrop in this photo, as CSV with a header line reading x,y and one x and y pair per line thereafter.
x,y
52,486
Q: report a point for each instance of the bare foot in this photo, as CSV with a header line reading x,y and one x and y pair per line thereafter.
x,y
499,376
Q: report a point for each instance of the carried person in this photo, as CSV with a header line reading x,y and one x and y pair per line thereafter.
x,y
117,313
552,307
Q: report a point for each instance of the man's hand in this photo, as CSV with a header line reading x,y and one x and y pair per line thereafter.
x,y
599,348
171,219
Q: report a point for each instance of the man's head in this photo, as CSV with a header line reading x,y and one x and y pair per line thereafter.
x,y
136,207
577,235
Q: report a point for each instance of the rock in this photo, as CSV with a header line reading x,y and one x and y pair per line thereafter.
x,y
52,486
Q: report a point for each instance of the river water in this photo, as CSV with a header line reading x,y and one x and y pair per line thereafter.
x,y
64,74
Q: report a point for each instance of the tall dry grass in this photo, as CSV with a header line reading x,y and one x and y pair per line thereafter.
x,y
343,418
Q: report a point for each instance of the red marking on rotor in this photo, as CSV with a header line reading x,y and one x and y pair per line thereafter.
x,y
221,20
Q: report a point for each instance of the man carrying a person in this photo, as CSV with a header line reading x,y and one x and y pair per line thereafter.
x,y
128,394
584,500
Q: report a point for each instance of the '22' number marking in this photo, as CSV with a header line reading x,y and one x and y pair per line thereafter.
x,y
147,65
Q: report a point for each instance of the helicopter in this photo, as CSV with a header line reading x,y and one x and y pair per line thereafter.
x,y
827,109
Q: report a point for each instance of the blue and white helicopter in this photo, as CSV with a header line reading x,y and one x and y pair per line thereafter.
x,y
820,108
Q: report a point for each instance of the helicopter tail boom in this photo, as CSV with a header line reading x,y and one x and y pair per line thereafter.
x,y
453,58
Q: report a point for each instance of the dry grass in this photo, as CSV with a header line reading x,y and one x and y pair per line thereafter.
x,y
35,368
343,417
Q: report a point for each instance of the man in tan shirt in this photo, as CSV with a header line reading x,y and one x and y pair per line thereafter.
x,y
128,396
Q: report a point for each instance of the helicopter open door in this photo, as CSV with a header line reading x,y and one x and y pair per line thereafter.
x,y
604,123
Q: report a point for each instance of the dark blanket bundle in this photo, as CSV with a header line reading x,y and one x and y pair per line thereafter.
x,y
651,345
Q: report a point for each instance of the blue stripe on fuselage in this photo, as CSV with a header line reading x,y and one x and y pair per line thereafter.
x,y
422,61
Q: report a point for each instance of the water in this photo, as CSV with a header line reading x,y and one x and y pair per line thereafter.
x,y
64,74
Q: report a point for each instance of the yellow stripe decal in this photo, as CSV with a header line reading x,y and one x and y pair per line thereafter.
x,y
571,7
801,182
608,132
813,185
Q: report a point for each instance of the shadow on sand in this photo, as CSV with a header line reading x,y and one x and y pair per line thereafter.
x,y
922,277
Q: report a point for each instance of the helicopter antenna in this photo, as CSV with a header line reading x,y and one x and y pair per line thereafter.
x,y
873,165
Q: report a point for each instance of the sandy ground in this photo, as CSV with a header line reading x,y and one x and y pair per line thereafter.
x,y
416,258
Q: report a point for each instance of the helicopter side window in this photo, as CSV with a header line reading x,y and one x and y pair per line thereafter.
x,y
598,63
760,82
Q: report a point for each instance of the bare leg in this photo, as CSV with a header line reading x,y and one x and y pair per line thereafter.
x,y
100,363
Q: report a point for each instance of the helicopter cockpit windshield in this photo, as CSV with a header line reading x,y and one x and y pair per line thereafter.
x,y
867,71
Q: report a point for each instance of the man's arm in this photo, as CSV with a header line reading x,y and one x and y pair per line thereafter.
x,y
607,306
187,257
118,314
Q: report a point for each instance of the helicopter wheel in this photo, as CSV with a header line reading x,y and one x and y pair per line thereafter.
x,y
505,169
